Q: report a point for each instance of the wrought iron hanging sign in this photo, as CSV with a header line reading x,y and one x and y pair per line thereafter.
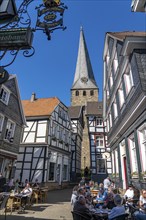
x,y
50,16
16,31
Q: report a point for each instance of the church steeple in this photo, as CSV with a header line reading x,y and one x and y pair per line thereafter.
x,y
84,77
84,88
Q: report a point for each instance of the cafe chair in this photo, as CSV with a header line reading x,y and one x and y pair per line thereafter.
x,y
121,217
3,205
79,216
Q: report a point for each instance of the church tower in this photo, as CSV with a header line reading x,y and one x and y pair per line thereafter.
x,y
84,90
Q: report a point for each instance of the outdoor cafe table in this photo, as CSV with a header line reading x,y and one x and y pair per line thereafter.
x,y
101,214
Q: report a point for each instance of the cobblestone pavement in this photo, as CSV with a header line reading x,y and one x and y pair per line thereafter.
x,y
57,207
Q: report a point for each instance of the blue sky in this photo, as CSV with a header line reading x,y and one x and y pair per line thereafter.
x,y
50,71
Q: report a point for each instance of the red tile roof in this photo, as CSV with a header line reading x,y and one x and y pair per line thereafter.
x,y
40,107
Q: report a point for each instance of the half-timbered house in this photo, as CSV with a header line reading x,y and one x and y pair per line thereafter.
x,y
12,121
45,149
125,104
76,116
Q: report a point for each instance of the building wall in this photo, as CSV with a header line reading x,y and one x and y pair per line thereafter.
x,y
129,126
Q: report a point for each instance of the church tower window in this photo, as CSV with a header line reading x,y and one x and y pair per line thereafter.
x,y
91,92
77,93
84,93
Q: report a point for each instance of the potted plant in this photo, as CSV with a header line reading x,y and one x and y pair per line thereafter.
x,y
143,175
134,175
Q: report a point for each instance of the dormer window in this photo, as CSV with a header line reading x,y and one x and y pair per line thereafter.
x,y
4,94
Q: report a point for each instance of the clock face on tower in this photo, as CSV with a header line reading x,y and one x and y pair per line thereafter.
x,y
84,79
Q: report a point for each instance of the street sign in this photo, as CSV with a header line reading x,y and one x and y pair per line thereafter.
x,y
3,75
15,39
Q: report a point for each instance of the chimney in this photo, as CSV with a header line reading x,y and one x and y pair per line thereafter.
x,y
33,97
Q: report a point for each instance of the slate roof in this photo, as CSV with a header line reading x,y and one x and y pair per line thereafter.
x,y
140,56
74,111
40,107
122,35
94,108
84,77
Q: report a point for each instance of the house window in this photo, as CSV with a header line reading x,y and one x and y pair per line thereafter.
x,y
84,93
111,81
77,93
61,134
91,92
99,141
65,172
1,122
133,157
128,80
101,167
115,64
10,128
115,109
52,171
121,96
54,130
110,120
99,122
142,145
4,95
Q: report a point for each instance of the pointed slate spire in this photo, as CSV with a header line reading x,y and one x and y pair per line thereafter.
x,y
84,77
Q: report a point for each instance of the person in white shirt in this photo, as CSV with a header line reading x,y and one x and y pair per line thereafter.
x,y
106,183
26,194
142,199
129,194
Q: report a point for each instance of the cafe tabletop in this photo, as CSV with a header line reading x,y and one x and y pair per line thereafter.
x,y
101,214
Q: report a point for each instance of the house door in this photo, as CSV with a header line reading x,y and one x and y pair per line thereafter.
x,y
125,184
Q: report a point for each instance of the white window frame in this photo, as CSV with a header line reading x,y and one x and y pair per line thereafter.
x,y
1,122
142,145
4,97
10,129
128,80
121,96
115,63
115,109
133,157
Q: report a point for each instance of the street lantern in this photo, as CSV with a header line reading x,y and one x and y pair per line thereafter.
x,y
7,10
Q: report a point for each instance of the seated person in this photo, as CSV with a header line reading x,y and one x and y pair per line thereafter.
x,y
141,215
80,207
110,198
88,198
25,195
129,194
74,195
36,184
119,209
142,199
81,191
101,197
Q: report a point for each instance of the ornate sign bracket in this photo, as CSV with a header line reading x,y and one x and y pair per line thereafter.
x,y
16,34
